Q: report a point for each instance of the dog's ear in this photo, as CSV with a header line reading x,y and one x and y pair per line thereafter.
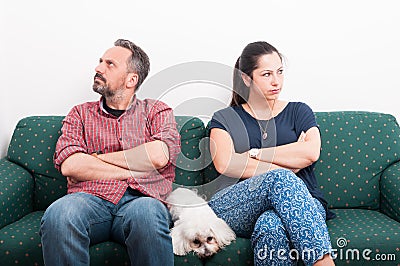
x,y
222,232
180,243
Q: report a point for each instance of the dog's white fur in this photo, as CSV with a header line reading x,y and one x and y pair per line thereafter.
x,y
196,227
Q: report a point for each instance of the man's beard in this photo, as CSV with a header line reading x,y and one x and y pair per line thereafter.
x,y
103,90
110,95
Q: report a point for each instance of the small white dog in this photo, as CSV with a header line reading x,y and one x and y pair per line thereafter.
x,y
196,227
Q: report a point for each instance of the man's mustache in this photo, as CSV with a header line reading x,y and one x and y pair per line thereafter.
x,y
98,75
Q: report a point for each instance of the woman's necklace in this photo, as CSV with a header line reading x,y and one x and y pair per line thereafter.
x,y
264,131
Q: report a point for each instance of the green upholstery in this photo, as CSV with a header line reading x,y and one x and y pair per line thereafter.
x,y
108,253
20,241
390,191
238,253
358,171
16,192
189,162
356,148
32,147
363,230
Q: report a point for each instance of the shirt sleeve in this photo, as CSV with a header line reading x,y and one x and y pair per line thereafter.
x,y
305,118
163,127
71,140
217,121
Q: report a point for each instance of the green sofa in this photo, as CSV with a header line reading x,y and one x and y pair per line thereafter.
x,y
358,171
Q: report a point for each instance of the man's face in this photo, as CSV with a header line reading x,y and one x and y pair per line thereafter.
x,y
112,71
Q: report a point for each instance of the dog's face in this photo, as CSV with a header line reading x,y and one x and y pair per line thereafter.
x,y
204,244
196,227
203,238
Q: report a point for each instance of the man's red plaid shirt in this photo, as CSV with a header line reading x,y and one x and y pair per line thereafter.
x,y
88,128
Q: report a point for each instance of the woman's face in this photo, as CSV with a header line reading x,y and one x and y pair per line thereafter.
x,y
268,76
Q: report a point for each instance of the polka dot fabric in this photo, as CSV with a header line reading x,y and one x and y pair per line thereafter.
x,y
390,190
189,162
20,241
356,148
237,253
32,147
108,253
359,229
16,192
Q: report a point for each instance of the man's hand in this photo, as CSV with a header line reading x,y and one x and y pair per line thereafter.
x,y
71,181
84,167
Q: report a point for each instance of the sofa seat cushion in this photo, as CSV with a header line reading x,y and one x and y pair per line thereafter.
x,y
108,253
20,245
358,230
189,260
239,252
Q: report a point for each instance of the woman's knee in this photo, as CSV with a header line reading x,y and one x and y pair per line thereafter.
x,y
269,228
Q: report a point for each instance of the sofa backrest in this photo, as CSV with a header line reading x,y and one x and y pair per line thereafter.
x,y
190,161
356,148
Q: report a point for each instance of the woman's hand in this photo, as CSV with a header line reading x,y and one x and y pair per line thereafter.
x,y
301,138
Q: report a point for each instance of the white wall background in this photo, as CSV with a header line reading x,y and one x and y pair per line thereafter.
x,y
343,55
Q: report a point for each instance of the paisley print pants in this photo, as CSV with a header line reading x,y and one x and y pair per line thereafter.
x,y
275,209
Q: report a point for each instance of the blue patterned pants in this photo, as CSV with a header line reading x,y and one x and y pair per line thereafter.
x,y
275,209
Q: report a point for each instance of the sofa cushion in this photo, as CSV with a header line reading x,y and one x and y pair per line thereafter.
x,y
189,162
357,230
189,260
108,253
32,147
239,252
356,148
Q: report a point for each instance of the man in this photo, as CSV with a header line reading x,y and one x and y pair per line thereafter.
x,y
118,156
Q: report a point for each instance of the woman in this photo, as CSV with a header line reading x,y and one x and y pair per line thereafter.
x,y
269,146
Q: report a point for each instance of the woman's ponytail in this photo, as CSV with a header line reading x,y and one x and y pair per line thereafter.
x,y
240,92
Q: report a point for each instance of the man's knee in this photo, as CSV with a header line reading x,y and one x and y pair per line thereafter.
x,y
63,212
147,212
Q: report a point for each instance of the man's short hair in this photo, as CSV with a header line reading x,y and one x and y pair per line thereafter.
x,y
139,61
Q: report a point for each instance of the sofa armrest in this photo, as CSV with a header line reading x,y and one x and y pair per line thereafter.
x,y
16,192
390,191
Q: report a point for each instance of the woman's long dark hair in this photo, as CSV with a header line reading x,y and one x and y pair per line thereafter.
x,y
246,64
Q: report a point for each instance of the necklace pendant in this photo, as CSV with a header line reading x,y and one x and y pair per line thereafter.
x,y
264,135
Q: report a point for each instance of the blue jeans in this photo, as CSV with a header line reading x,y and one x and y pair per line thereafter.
x,y
275,209
74,222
